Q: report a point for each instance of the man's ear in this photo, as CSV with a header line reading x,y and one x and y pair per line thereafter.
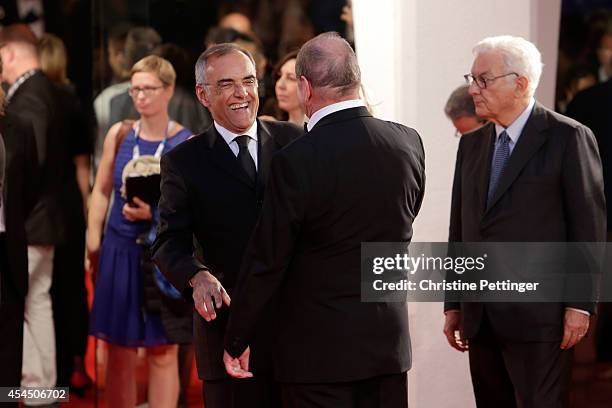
x,y
202,95
306,88
522,85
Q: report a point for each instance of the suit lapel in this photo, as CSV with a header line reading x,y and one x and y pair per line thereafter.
x,y
532,138
224,158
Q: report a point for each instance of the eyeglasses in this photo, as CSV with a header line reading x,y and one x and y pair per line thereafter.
x,y
147,91
225,86
481,81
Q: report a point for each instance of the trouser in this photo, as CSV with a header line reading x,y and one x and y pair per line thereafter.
x,y
39,369
11,326
257,392
385,391
509,374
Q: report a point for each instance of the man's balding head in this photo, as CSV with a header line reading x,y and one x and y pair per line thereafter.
x,y
18,50
18,33
330,65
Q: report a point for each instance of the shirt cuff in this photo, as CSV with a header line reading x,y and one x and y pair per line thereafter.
x,y
578,310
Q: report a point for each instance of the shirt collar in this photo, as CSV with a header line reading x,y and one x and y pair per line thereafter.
x,y
230,136
329,109
516,128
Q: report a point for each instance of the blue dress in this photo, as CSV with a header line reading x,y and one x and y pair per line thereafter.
x,y
118,315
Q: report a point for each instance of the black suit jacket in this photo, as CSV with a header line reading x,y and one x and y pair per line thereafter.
x,y
19,197
551,190
36,101
592,108
352,179
207,195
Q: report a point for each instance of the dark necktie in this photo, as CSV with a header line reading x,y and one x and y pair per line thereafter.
x,y
500,157
244,157
305,127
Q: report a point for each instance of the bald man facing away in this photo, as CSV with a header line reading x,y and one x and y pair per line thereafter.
x,y
351,179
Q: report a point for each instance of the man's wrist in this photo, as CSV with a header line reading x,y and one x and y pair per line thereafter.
x,y
190,281
584,312
451,311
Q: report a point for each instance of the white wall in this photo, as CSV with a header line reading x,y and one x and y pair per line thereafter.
x,y
412,55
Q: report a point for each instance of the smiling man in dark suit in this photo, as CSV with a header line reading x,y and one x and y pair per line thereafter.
x,y
212,189
530,175
351,179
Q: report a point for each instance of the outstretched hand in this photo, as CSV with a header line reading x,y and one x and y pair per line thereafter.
x,y
238,367
206,289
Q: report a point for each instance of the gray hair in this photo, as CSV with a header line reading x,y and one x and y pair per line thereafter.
x,y
329,61
460,103
216,51
519,55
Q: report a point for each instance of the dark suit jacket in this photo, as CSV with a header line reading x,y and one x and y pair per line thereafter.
x,y
207,195
20,193
591,107
551,190
36,102
352,179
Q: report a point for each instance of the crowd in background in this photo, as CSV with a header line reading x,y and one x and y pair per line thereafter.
x,y
272,31
72,132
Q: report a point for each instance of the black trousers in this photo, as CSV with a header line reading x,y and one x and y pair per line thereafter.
x,y
387,391
518,374
69,298
11,327
257,392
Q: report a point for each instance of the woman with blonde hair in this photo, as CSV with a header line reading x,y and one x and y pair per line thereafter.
x,y
117,316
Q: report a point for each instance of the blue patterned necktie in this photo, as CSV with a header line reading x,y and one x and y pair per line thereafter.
x,y
500,157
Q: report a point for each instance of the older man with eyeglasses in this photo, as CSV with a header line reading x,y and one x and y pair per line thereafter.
x,y
530,175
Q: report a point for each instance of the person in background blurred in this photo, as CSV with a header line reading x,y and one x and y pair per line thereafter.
x,y
139,43
460,110
117,60
32,96
118,316
18,193
68,292
286,89
286,105
236,21
579,78
604,53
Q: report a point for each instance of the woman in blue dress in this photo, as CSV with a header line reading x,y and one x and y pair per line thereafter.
x,y
118,316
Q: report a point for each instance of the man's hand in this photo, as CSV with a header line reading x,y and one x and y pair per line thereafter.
x,y
575,326
238,367
451,330
206,288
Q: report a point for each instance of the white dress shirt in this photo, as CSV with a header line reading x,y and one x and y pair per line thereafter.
x,y
516,128
329,109
230,137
